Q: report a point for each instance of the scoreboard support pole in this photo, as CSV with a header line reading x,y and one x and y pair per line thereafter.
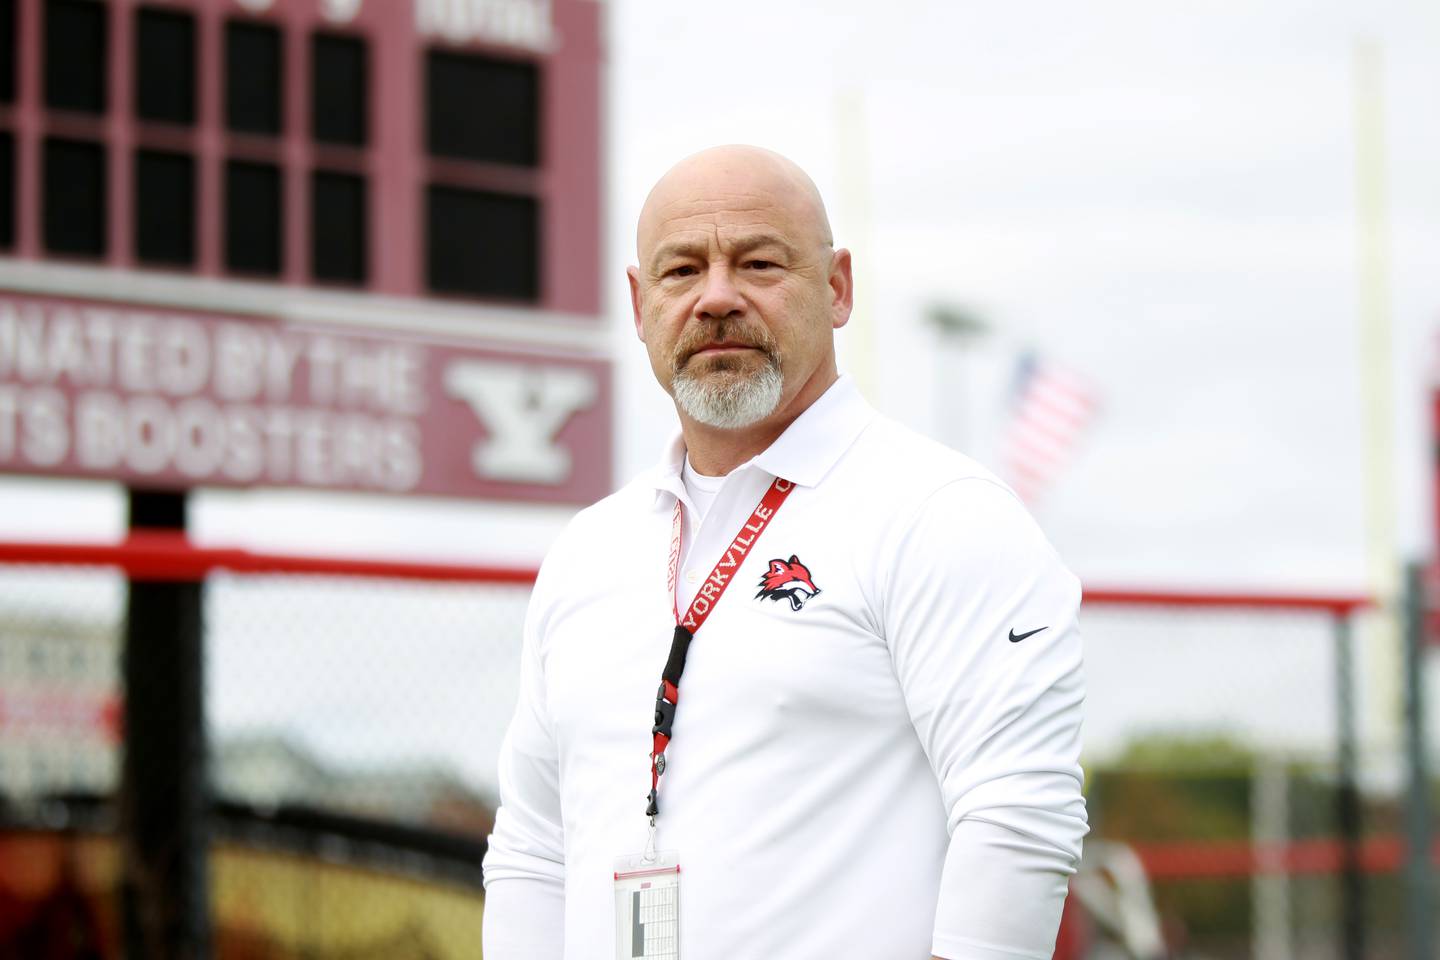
x,y
164,790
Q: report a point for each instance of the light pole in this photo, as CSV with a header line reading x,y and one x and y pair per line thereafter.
x,y
957,329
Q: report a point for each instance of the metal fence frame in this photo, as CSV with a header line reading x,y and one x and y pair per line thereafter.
x,y
1352,856
156,557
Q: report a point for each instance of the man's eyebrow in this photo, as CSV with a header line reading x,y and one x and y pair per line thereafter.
x,y
754,241
737,246
676,248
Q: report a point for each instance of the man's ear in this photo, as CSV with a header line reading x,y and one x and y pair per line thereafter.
x,y
633,275
842,288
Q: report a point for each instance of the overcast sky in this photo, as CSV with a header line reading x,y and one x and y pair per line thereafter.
x,y
1160,196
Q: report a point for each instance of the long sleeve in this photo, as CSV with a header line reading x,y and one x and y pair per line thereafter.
x,y
525,861
524,919
981,619
1001,894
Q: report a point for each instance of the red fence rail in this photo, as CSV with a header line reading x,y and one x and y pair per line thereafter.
x,y
171,556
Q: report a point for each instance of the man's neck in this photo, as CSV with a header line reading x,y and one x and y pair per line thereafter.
x,y
715,452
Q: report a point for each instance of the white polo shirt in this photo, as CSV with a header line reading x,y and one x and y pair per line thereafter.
x,y
888,771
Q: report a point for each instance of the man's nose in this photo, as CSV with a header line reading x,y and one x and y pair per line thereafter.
x,y
720,298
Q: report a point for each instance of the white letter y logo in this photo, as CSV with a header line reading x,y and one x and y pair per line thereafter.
x,y
523,408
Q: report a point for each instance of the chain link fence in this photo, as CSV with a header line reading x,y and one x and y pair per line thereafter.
x,y
353,723
354,718
1240,804
60,701
382,698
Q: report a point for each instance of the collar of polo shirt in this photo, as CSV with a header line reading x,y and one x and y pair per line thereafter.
x,y
803,454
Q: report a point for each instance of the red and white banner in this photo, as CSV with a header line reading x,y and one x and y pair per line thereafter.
x,y
171,398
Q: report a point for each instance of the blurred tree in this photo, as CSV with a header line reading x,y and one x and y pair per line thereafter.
x,y
1183,789
1207,752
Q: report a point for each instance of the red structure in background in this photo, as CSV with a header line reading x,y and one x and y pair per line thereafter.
x,y
415,183
394,201
147,556
524,127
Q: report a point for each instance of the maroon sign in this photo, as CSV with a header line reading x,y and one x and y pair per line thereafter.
x,y
175,399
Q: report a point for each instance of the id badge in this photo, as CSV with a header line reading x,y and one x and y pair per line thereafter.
x,y
647,907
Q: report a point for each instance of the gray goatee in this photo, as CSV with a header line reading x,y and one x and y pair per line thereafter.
x,y
728,398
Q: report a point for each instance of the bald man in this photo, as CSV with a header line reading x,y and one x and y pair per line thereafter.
x,y
869,747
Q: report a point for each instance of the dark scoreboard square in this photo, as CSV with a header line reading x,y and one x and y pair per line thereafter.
x,y
254,75
165,208
253,225
73,197
338,237
165,66
483,244
76,38
482,108
339,89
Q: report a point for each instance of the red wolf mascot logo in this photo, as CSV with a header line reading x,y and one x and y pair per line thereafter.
x,y
789,579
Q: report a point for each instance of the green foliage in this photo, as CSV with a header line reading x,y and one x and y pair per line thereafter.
x,y
1194,790
1182,789
1178,752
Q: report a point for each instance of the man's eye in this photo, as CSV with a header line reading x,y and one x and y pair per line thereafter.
x,y
760,264
682,271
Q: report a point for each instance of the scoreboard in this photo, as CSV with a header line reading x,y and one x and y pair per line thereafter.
x,y
334,244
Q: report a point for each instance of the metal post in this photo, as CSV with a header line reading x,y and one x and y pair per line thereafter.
x,y
956,331
1419,892
1270,833
163,790
1347,795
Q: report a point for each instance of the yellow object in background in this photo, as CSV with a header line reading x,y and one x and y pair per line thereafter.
x,y
63,889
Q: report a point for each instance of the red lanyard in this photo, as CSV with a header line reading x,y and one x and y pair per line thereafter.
x,y
687,626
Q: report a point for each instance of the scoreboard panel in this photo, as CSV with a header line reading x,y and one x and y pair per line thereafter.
x,y
426,170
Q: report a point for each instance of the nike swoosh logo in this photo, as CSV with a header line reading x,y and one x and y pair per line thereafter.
x,y
1017,637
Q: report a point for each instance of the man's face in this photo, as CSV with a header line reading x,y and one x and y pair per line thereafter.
x,y
737,290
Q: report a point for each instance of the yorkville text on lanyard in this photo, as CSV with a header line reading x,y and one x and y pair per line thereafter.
x,y
647,887
687,626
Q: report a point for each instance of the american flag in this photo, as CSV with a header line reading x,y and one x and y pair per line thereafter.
x,y
1051,410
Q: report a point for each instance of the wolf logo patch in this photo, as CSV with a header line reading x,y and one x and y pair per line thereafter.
x,y
789,579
